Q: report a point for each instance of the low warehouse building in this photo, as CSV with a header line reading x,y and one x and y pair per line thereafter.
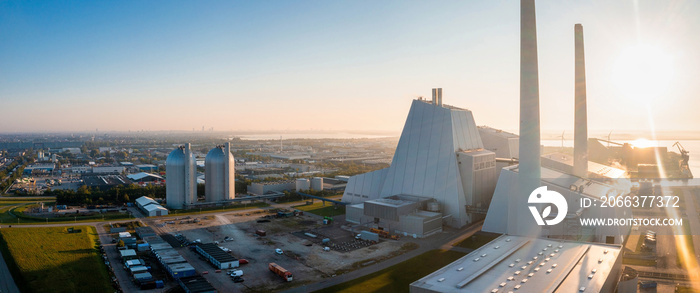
x,y
196,284
128,254
150,207
216,256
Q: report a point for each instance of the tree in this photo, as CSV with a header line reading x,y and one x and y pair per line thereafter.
x,y
120,243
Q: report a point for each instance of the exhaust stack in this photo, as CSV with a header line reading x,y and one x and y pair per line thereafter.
x,y
580,114
529,173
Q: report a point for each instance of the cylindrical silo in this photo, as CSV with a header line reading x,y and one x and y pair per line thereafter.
x,y
302,184
219,172
317,183
180,184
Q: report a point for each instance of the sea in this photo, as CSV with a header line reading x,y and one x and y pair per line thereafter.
x,y
692,146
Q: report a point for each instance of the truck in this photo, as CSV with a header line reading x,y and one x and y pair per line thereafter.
x,y
280,271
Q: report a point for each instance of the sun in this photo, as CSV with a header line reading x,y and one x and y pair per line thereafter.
x,y
643,73
644,143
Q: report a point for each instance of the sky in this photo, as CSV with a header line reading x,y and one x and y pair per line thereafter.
x,y
336,65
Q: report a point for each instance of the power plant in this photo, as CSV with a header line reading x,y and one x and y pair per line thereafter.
x,y
440,157
563,257
219,167
181,170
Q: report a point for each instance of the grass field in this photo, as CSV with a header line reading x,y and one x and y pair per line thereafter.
x,y
317,208
53,260
397,278
477,240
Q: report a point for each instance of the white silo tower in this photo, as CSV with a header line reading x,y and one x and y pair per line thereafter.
x,y
302,184
180,172
317,183
219,172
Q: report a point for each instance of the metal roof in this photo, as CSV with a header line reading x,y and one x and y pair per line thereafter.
x,y
144,200
526,264
217,253
139,176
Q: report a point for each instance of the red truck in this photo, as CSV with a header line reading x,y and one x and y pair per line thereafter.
x,y
280,271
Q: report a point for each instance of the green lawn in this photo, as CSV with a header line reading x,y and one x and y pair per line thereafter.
x,y
317,208
397,278
53,260
477,240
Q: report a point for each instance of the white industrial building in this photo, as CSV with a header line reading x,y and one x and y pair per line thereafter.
x,y
108,170
263,188
440,155
413,216
573,188
150,207
523,264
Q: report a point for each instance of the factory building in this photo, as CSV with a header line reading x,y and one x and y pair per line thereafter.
x,y
573,189
108,170
413,216
180,184
263,188
440,155
522,264
219,165
575,178
150,207
144,178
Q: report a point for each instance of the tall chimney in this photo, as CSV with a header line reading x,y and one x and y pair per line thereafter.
x,y
580,114
529,177
439,97
435,94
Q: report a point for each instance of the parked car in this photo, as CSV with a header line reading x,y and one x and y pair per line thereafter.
x,y
236,273
279,251
237,279
647,284
242,261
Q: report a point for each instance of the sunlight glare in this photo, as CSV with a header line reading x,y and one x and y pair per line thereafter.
x,y
643,72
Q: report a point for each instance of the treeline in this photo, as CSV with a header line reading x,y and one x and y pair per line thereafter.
x,y
294,196
351,168
21,162
114,196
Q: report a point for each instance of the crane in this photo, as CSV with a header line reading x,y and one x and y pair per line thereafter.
x,y
684,155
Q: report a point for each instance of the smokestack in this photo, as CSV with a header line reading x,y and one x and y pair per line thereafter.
x,y
439,97
580,114
435,94
529,177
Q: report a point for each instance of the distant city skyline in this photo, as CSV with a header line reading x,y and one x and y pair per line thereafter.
x,y
343,66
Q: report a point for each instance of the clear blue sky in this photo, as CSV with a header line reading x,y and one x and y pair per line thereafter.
x,y
332,65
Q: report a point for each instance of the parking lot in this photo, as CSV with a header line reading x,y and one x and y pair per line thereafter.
x,y
303,256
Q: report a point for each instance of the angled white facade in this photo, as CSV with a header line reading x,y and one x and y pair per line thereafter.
x,y
426,162
573,189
